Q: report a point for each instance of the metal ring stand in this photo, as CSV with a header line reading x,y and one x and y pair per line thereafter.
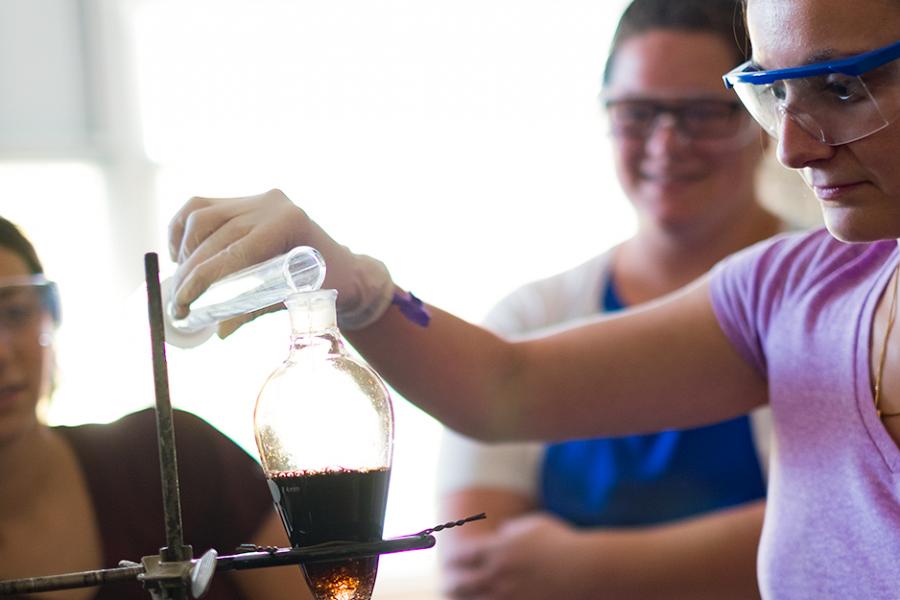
x,y
174,574
191,578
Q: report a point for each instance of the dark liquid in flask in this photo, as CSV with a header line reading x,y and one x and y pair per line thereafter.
x,y
340,505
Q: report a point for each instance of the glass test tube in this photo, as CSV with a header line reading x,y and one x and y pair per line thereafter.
x,y
301,269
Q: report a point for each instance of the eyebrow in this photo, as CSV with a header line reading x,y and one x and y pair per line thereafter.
x,y
663,99
817,57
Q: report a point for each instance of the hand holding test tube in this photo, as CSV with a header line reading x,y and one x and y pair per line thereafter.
x,y
301,269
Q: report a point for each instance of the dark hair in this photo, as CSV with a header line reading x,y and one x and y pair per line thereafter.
x,y
723,18
12,238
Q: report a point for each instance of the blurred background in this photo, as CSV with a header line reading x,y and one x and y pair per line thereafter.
x,y
460,142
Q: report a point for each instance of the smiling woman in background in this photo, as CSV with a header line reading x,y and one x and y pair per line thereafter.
x,y
670,514
83,498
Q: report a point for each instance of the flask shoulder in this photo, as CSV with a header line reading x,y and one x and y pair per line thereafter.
x,y
317,374
320,413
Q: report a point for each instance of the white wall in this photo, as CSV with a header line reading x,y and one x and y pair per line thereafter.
x,y
44,104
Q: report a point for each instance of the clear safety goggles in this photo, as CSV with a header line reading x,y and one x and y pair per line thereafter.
x,y
836,102
25,300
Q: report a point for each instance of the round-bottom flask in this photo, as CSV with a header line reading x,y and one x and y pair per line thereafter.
x,y
324,429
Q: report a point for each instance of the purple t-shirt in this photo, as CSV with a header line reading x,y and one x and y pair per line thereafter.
x,y
799,308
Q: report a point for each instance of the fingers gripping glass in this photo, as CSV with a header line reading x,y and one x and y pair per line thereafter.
x,y
707,119
836,102
25,300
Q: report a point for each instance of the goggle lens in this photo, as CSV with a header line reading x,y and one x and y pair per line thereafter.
x,y
832,106
23,305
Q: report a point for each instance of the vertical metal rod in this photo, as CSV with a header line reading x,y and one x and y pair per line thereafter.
x,y
175,549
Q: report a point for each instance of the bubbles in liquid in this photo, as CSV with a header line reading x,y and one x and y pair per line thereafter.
x,y
342,580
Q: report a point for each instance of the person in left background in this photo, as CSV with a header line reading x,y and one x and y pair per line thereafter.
x,y
85,497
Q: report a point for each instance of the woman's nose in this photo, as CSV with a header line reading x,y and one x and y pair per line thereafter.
x,y
797,148
665,135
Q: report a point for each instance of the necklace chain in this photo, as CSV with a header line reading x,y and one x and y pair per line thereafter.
x,y
884,345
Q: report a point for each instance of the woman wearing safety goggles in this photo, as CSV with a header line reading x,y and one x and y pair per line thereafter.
x,y
803,323
80,498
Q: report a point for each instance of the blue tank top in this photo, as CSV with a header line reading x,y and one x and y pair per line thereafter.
x,y
646,479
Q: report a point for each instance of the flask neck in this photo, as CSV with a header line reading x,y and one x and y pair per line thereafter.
x,y
313,314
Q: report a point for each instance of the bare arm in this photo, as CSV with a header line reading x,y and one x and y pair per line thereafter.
x,y
664,365
529,555
710,556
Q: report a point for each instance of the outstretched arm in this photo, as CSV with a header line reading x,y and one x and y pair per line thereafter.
x,y
666,364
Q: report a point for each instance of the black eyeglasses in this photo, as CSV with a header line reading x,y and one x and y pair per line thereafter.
x,y
697,119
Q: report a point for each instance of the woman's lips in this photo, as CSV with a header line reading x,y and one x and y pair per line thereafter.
x,y
10,394
671,180
835,191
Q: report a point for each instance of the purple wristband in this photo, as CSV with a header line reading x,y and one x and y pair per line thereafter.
x,y
412,308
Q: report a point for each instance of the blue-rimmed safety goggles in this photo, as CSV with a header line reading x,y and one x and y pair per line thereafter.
x,y
837,102
23,301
